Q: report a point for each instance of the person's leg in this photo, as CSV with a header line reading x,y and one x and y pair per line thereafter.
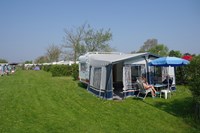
x,y
152,87
152,92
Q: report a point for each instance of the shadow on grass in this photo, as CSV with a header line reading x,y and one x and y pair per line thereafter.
x,y
183,108
177,107
82,85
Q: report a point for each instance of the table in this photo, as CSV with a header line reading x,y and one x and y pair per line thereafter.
x,y
159,87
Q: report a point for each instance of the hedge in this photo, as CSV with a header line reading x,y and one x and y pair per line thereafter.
x,y
194,76
62,70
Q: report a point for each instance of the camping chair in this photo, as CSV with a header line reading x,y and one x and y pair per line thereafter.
x,y
142,90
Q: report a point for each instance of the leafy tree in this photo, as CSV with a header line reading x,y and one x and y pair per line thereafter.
x,y
73,39
28,62
159,49
97,40
3,61
175,53
148,45
194,83
53,53
41,59
86,39
151,45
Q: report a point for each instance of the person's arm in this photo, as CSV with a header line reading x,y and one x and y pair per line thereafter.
x,y
146,86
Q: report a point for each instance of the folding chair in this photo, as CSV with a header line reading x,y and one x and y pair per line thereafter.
x,y
142,90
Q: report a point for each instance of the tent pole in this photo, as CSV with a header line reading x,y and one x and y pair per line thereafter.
x,y
168,78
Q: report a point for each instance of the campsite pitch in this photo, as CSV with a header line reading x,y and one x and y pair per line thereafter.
x,y
35,102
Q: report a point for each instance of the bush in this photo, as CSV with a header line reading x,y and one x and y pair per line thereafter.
x,y
75,71
182,77
46,68
61,70
194,76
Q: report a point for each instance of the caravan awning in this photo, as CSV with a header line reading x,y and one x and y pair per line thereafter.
x,y
99,60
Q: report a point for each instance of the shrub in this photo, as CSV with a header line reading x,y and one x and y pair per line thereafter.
x,y
182,78
75,71
194,76
46,68
60,70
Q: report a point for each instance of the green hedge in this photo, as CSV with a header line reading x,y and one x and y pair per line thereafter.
x,y
46,68
62,70
194,76
75,71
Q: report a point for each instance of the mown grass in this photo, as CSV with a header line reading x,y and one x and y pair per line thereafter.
x,y
35,102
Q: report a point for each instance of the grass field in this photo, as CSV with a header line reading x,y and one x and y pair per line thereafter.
x,y
35,102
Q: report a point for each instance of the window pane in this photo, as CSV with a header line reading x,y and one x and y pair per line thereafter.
x,y
97,77
83,66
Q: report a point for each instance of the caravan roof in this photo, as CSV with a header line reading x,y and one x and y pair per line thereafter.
x,y
99,60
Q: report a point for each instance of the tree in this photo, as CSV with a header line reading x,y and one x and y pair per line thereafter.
x,y
3,61
194,83
148,45
73,39
175,53
85,39
28,62
53,53
151,45
41,59
159,49
97,40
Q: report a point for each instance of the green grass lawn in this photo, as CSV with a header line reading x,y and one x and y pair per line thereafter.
x,y
35,102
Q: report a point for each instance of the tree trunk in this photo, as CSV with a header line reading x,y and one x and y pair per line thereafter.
x,y
75,56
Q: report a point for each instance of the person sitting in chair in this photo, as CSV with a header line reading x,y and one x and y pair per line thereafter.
x,y
147,86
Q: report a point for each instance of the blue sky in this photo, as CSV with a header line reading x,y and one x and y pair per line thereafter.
x,y
28,27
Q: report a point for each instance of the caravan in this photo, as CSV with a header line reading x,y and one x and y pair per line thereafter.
x,y
111,75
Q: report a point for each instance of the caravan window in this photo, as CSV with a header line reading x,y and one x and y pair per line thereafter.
x,y
127,81
97,77
155,74
137,71
83,66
